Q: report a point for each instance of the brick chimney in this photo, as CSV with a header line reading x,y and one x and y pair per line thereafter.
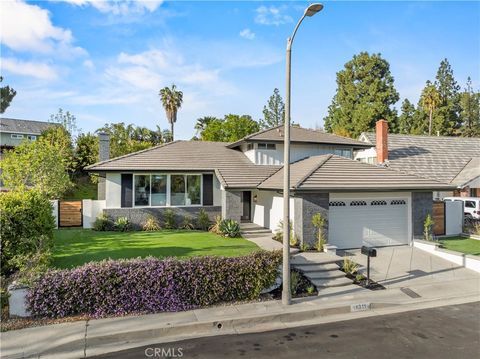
x,y
381,130
103,155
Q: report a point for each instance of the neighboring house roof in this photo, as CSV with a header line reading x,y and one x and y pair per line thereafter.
x,y
437,157
469,173
299,134
331,172
29,127
232,167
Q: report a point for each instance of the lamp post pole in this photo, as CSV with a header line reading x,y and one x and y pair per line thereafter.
x,y
286,292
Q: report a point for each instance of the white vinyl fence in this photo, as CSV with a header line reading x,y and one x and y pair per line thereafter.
x,y
453,218
91,209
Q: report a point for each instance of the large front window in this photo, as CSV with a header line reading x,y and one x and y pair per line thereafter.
x,y
177,190
159,190
142,190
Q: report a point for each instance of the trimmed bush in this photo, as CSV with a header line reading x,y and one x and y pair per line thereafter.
x,y
169,219
203,221
122,224
151,224
152,285
26,228
103,223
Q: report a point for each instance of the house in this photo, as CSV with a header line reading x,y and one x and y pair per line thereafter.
x,y
363,203
451,160
13,131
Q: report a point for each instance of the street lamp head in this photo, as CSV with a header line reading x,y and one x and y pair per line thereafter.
x,y
313,9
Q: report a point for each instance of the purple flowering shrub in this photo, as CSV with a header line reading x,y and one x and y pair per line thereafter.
x,y
151,285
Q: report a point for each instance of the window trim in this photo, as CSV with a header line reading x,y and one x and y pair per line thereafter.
x,y
17,136
168,202
266,144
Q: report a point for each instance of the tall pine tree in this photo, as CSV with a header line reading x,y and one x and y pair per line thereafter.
x,y
273,112
470,111
365,93
446,120
406,121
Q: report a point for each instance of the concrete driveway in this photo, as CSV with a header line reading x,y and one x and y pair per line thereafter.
x,y
405,267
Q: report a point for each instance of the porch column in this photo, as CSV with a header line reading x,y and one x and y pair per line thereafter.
x,y
232,205
306,205
422,204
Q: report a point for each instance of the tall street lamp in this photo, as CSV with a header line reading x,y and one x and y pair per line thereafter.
x,y
286,295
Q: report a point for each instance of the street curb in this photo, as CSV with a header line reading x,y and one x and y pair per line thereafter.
x,y
131,338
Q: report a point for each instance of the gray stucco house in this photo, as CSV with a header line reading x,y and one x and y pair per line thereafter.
x,y
364,203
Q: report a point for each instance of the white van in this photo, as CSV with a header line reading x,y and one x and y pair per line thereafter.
x,y
471,205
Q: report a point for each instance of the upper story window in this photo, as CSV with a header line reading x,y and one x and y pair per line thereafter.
x,y
32,137
16,136
343,152
249,146
266,146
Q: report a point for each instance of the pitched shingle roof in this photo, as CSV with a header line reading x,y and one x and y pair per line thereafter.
x,y
437,157
330,172
299,134
233,168
12,125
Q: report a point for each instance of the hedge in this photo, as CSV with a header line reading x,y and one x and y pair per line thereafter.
x,y
151,285
26,227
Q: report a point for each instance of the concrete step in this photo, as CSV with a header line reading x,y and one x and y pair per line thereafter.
x,y
325,275
261,231
314,267
328,283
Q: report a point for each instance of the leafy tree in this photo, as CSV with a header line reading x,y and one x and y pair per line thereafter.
x,y
365,93
172,101
36,165
430,100
446,119
59,138
406,121
470,111
86,151
6,96
230,129
274,111
65,119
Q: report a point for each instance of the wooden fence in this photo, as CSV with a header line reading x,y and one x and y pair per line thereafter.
x,y
438,217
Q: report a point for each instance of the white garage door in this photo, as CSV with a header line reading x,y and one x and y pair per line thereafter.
x,y
374,222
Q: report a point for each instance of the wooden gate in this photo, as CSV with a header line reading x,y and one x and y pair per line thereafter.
x,y
70,214
438,217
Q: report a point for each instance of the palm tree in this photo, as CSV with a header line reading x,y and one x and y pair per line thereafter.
x,y
203,122
172,101
430,99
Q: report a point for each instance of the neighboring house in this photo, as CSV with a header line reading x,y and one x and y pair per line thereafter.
x,y
243,181
451,160
14,131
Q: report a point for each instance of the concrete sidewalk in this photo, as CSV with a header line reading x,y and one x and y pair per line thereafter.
x,y
94,337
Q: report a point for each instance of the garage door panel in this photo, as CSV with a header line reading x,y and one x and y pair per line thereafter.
x,y
381,222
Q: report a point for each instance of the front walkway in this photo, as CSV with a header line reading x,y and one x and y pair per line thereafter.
x,y
261,236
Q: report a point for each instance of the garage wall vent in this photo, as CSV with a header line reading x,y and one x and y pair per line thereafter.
x,y
397,202
358,203
379,203
336,204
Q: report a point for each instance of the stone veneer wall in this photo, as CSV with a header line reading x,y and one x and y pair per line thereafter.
x,y
138,216
422,204
232,205
306,205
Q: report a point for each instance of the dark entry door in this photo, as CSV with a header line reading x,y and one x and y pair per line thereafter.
x,y
126,194
246,203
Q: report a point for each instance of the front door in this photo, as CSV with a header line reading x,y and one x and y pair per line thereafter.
x,y
246,204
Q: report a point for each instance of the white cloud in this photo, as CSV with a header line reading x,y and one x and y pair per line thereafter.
x,y
28,27
89,64
120,7
26,68
247,34
271,15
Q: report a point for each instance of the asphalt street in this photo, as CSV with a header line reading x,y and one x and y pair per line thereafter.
x,y
444,332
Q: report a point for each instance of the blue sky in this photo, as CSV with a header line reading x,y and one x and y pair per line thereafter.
x,y
106,61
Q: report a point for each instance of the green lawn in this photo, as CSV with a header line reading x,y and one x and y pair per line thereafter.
x,y
74,247
463,245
